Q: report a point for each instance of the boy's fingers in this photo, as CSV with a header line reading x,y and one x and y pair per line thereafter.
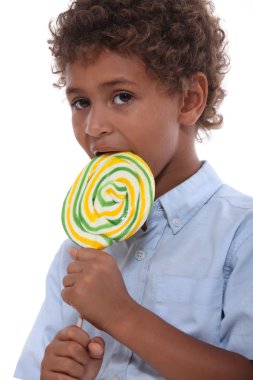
x,y
96,348
51,376
76,334
96,345
73,252
81,254
73,351
68,366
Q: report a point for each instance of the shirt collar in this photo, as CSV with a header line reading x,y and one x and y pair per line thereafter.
x,y
185,200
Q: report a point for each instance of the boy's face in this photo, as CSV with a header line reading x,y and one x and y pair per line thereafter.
x,y
117,106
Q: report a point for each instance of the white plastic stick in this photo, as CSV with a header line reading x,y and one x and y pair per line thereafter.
x,y
79,322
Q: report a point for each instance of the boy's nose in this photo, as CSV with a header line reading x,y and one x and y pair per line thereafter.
x,y
97,122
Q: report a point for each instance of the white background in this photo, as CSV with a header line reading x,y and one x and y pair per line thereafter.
x,y
40,158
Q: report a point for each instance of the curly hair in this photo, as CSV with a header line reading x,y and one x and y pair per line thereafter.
x,y
174,38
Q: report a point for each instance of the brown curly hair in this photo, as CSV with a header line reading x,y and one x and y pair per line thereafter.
x,y
174,38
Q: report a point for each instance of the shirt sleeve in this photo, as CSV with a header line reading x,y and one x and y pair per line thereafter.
x,y
237,324
49,321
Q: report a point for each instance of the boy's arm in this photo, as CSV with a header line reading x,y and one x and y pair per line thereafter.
x,y
174,354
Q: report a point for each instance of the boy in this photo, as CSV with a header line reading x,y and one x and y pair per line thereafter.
x,y
175,300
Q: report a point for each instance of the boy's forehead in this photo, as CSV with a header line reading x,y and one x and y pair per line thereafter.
x,y
108,69
109,59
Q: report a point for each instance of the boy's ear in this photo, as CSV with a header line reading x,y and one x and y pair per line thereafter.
x,y
194,100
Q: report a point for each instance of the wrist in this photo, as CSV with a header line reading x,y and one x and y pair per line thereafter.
x,y
126,321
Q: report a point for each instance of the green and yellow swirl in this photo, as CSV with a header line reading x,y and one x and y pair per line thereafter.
x,y
109,201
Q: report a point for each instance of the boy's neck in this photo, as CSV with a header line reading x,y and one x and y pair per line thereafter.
x,y
173,175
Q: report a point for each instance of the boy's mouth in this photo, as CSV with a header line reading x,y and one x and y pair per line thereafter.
x,y
97,149
101,151
97,154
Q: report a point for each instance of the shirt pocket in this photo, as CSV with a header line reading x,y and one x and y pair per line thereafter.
x,y
193,305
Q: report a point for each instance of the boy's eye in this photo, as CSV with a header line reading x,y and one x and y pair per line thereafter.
x,y
122,98
80,104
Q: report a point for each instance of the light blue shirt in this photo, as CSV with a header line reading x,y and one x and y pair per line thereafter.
x,y
193,267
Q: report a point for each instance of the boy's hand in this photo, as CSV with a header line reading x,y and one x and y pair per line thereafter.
x,y
72,355
94,286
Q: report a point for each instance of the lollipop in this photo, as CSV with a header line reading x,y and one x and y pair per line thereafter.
x,y
109,201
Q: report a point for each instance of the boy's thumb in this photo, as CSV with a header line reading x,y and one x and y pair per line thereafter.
x,y
96,348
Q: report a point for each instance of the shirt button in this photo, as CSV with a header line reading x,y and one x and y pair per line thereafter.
x,y
139,255
176,222
115,377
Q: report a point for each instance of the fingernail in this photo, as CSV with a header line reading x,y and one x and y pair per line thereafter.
x,y
96,350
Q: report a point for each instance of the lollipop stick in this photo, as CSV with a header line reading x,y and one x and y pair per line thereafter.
x,y
79,322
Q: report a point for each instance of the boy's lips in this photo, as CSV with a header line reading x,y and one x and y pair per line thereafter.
x,y
100,153
96,151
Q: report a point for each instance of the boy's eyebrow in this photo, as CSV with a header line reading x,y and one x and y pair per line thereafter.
x,y
72,90
114,82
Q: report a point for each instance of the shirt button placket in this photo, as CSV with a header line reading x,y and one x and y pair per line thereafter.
x,y
139,255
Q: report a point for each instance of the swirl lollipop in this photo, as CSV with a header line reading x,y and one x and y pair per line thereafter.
x,y
109,201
